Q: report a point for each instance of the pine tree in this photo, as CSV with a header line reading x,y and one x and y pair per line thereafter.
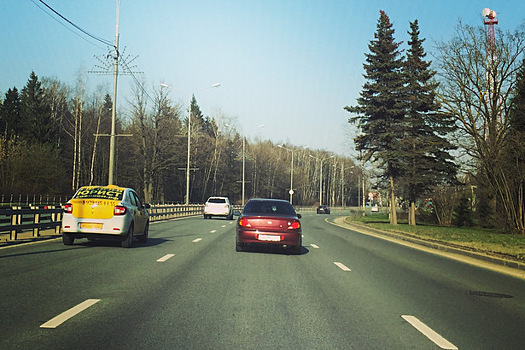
x,y
10,115
36,120
426,159
380,110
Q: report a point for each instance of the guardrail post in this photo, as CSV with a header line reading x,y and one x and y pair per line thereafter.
x,y
14,221
36,220
56,216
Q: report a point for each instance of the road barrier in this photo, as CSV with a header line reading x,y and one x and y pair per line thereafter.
x,y
36,218
18,219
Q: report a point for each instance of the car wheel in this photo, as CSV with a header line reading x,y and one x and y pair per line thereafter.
x,y
67,239
144,237
128,241
296,249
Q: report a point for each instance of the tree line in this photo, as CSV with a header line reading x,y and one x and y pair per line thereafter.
x,y
54,139
444,135
451,133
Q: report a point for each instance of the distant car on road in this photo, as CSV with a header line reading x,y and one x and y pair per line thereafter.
x,y
218,206
105,212
269,222
323,209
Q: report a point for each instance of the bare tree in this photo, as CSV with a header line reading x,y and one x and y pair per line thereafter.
x,y
478,77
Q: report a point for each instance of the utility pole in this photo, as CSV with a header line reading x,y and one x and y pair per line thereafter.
x,y
114,107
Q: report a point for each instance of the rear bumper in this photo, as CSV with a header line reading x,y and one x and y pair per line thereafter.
x,y
117,226
285,239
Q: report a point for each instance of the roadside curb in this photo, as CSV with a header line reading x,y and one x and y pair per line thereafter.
x,y
397,236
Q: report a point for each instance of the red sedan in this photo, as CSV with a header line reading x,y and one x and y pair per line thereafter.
x,y
269,222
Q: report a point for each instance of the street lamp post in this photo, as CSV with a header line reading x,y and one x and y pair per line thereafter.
x,y
187,197
189,148
243,181
321,177
291,172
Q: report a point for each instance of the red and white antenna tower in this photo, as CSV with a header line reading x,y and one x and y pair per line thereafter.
x,y
490,22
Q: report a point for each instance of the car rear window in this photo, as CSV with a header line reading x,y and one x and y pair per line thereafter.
x,y
268,207
100,192
217,200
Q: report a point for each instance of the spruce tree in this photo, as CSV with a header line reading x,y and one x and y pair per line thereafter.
x,y
380,108
10,115
425,156
36,119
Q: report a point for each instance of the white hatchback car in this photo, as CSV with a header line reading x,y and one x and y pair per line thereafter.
x,y
105,212
218,206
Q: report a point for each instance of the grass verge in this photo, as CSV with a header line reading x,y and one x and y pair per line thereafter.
x,y
484,240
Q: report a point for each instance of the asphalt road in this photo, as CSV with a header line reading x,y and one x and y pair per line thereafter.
x,y
187,288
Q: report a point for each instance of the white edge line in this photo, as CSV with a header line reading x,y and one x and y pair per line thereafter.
x,y
342,266
429,333
66,315
166,257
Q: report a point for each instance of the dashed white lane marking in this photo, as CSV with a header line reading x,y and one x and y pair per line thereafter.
x,y
213,231
197,240
223,226
314,246
66,315
342,266
429,333
166,257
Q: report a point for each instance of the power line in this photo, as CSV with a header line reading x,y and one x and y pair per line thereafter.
x,y
99,39
125,64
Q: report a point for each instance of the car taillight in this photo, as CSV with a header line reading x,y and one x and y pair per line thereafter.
x,y
119,210
68,208
244,223
294,225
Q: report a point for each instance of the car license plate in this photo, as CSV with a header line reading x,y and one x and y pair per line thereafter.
x,y
272,238
90,225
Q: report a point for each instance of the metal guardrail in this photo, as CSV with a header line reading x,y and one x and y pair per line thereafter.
x,y
17,219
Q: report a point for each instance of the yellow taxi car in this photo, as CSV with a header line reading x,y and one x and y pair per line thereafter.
x,y
105,212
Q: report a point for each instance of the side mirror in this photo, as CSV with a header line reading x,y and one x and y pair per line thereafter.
x,y
299,216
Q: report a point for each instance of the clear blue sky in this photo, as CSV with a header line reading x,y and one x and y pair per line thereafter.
x,y
290,65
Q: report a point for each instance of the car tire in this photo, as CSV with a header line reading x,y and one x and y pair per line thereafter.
x,y
144,237
296,249
239,247
67,239
128,241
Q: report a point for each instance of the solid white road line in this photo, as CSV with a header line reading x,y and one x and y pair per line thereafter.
x,y
66,315
429,333
197,240
342,266
314,246
166,257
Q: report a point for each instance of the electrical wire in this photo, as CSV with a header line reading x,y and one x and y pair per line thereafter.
x,y
99,39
